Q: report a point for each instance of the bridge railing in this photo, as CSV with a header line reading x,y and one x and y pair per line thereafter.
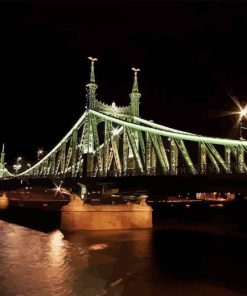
x,y
185,170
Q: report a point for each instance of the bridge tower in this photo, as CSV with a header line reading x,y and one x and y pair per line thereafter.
x,y
135,95
2,165
135,111
91,87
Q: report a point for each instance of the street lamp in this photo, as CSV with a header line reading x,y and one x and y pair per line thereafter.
x,y
242,114
18,165
40,152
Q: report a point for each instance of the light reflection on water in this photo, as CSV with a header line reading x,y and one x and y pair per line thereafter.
x,y
139,262
82,263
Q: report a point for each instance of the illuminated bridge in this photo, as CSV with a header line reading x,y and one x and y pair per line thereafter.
x,y
113,141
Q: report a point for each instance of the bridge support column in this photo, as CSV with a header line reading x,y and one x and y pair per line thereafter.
x,y
173,157
202,158
90,164
78,215
240,159
4,202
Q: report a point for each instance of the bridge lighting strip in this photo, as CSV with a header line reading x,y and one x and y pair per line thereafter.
x,y
58,145
161,127
148,122
189,137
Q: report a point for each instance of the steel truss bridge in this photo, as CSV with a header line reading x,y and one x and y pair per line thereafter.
x,y
113,141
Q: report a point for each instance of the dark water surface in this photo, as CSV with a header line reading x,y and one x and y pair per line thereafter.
x,y
185,254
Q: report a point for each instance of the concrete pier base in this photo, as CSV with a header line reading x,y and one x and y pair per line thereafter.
x,y
78,215
4,202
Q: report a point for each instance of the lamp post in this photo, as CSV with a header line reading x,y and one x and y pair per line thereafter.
x,y
40,152
240,130
242,114
18,165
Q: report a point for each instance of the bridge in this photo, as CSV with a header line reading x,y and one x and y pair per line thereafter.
x,y
114,141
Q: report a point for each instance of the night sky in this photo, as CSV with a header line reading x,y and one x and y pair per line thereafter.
x,y
191,55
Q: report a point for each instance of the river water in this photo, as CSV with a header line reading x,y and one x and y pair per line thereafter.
x,y
178,258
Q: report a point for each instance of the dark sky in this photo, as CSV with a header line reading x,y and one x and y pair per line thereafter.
x,y
190,55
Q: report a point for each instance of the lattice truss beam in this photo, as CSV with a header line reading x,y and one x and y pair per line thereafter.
x,y
104,145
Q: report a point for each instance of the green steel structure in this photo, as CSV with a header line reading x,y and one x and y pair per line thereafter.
x,y
109,140
4,173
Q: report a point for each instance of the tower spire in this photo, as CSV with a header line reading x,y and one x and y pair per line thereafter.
x,y
135,95
2,155
135,83
91,86
92,75
2,164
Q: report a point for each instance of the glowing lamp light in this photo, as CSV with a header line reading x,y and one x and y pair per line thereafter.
x,y
40,152
19,158
60,189
243,112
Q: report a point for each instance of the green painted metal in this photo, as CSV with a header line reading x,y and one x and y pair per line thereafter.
x,y
52,164
62,157
97,146
173,157
202,155
213,160
106,147
90,164
4,173
240,159
91,87
134,150
74,152
185,154
168,134
135,95
115,148
68,158
157,149
153,170
110,159
125,151
234,151
150,123
142,146
148,154
227,150
163,152
218,157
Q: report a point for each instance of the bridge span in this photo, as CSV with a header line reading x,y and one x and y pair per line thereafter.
x,y
111,140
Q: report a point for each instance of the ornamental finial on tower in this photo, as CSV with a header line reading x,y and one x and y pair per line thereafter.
x,y
135,83
92,76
